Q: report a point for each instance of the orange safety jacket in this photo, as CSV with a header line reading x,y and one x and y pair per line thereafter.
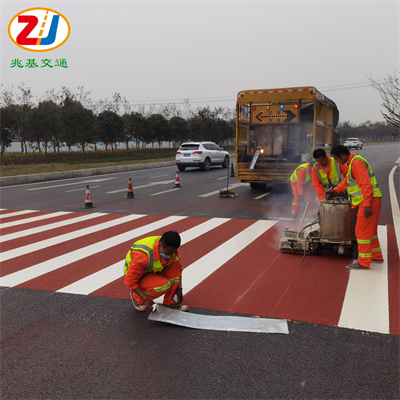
x,y
360,174
139,262
318,185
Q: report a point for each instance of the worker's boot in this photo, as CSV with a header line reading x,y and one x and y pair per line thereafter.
x,y
139,307
356,265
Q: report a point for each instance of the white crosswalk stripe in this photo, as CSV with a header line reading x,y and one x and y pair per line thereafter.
x,y
16,213
109,274
365,305
205,266
44,228
366,302
33,219
8,255
47,266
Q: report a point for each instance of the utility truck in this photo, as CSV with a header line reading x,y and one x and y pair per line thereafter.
x,y
278,129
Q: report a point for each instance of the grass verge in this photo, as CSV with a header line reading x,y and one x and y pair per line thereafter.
x,y
29,169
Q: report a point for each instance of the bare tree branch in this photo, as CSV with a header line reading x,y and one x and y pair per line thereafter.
x,y
389,90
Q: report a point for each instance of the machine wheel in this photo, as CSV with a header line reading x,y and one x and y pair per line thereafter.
x,y
258,186
181,167
225,164
206,164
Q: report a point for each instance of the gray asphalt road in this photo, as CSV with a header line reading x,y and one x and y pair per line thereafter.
x,y
155,194
61,346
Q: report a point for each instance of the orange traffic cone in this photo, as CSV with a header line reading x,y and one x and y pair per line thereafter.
x,y
177,183
88,199
130,194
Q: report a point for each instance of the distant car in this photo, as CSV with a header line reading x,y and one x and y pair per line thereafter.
x,y
353,143
201,154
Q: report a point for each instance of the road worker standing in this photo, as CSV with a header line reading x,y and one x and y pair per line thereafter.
x,y
153,268
364,193
327,173
301,182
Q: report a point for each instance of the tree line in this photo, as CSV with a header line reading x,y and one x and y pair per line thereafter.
x,y
368,131
68,118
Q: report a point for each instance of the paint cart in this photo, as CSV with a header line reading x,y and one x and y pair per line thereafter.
x,y
334,230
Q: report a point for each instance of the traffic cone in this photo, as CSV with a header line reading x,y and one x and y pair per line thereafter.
x,y
130,194
232,170
177,183
88,199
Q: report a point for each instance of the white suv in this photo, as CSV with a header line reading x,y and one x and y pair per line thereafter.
x,y
201,154
353,143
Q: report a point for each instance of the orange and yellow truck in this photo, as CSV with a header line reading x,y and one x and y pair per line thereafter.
x,y
278,129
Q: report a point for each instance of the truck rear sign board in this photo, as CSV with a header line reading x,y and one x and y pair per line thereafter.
x,y
274,114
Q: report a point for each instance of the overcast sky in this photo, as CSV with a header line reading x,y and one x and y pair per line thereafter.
x,y
209,51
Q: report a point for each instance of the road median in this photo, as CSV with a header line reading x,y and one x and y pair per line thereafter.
x,y
51,176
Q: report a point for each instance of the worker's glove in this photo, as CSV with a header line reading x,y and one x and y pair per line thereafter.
x,y
179,295
148,304
368,212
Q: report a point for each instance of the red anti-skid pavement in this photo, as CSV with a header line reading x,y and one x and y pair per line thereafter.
x,y
36,257
262,281
75,271
37,237
36,224
394,282
190,253
259,280
23,216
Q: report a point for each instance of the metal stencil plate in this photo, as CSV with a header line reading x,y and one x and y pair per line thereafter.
x,y
219,323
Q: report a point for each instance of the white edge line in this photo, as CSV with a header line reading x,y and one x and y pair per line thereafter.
x,y
395,207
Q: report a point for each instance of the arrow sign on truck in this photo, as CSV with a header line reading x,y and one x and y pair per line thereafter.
x,y
282,116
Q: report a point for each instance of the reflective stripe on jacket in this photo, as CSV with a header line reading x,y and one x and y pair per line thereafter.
x,y
306,168
147,246
335,174
354,190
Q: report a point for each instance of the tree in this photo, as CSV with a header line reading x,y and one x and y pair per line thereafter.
x,y
22,104
134,127
47,125
196,129
180,129
389,90
110,128
79,124
159,128
8,126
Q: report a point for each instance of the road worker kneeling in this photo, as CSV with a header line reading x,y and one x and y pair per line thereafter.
x,y
153,268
